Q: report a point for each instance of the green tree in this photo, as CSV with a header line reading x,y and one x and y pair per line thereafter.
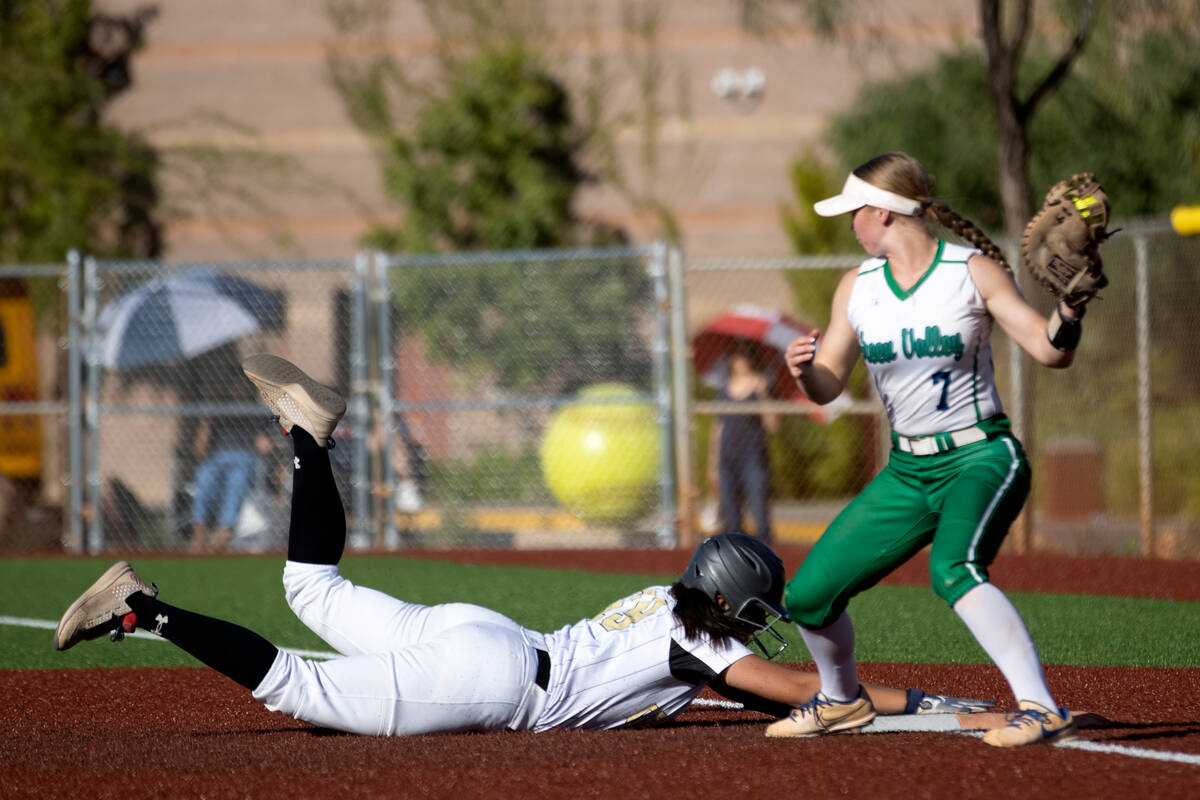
x,y
813,235
490,159
837,447
491,163
935,115
68,179
1025,59
1143,148
1131,114
1006,27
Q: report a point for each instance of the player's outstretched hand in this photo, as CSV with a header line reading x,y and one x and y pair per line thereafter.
x,y
941,704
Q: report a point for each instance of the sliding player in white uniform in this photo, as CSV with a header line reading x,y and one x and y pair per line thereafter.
x,y
406,668
920,313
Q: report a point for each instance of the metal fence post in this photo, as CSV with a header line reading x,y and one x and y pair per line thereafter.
x,y
91,508
74,404
1145,428
662,392
382,302
1021,413
681,359
359,410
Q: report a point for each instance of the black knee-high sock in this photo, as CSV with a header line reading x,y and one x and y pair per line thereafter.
x,y
230,649
318,528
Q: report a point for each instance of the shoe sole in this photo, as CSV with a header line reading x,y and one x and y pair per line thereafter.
x,y
1068,734
297,398
102,584
837,727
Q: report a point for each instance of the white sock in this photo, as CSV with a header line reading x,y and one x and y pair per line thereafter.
x,y
832,649
998,627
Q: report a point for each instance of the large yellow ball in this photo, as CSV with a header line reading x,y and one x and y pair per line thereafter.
x,y
601,460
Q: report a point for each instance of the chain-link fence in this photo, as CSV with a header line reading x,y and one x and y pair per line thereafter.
x,y
178,453
1117,436
542,399
1114,440
816,457
526,400
34,410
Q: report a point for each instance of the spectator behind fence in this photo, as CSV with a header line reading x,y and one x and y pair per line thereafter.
x,y
228,467
738,459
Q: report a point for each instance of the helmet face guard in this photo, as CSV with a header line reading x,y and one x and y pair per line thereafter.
x,y
769,642
748,576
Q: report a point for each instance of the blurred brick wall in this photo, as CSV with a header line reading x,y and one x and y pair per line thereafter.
x,y
724,164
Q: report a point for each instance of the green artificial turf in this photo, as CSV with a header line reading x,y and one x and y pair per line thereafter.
x,y
896,624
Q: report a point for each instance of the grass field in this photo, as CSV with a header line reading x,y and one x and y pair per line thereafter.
x,y
893,623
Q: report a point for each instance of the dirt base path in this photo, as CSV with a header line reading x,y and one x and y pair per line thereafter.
x,y
185,733
190,732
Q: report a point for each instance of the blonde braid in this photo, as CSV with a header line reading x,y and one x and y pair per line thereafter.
x,y
938,212
901,173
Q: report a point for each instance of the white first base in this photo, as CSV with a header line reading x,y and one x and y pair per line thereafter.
x,y
912,723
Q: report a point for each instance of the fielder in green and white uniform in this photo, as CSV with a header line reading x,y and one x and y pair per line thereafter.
x,y
920,314
928,351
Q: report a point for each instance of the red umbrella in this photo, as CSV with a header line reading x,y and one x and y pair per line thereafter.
x,y
770,332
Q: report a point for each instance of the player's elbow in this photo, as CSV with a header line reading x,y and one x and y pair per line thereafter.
x,y
822,387
825,395
1056,359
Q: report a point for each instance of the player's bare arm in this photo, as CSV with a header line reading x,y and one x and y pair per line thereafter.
x,y
774,682
1019,320
822,363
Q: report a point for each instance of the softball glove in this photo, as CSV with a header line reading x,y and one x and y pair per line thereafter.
x,y
1060,244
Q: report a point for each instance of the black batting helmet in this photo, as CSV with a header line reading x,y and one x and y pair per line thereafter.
x,y
744,571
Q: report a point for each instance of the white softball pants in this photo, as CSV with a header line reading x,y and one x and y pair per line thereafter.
x,y
405,668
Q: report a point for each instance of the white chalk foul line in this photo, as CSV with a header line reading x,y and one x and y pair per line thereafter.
x,y
1136,752
948,723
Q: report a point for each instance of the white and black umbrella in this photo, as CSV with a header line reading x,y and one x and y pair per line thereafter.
x,y
180,316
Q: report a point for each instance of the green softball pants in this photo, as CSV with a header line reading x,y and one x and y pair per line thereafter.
x,y
961,501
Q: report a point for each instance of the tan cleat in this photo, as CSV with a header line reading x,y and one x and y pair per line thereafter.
x,y
294,397
102,608
1032,723
821,715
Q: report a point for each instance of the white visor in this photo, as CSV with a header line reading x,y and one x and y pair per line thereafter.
x,y
857,193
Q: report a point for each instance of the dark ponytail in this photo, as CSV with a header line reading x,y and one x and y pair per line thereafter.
x,y
700,616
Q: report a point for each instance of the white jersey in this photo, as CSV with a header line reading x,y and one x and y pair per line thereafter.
x,y
407,668
631,664
928,348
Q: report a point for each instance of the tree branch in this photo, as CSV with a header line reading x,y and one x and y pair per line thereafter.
x,y
993,39
1020,34
1060,69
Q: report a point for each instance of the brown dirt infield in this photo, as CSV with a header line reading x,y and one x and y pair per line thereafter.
x,y
190,732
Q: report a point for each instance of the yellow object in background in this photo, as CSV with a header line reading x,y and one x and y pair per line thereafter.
x,y
601,459
1186,220
20,434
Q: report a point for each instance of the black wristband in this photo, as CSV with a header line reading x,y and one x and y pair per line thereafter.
x,y
1063,333
913,700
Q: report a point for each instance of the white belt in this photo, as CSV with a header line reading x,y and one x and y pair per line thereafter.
x,y
939,442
